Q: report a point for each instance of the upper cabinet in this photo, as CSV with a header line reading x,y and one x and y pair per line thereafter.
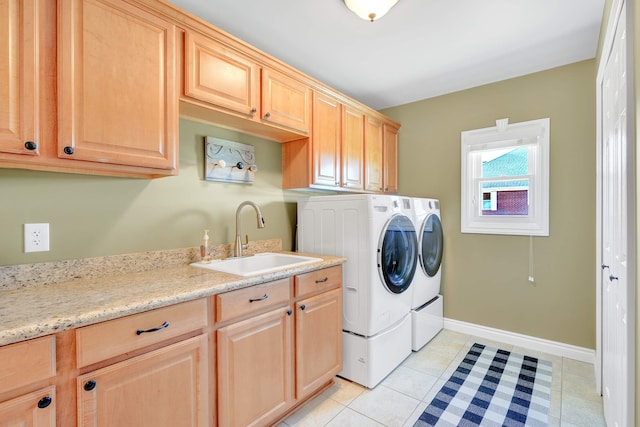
x,y
225,85
220,76
390,158
352,148
373,170
19,77
97,87
325,141
77,95
285,101
118,88
333,157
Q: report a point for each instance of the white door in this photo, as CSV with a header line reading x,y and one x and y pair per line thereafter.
x,y
617,299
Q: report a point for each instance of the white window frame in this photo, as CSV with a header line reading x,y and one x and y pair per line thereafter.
x,y
535,134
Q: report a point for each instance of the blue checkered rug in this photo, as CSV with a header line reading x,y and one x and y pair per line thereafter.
x,y
492,387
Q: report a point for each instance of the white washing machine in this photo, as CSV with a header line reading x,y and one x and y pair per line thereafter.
x,y
377,236
427,304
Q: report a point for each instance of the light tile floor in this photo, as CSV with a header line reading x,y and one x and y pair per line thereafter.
x,y
400,398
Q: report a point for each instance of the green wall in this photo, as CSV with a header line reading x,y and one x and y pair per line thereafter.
x,y
96,216
485,276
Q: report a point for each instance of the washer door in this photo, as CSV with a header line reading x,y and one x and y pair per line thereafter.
x,y
397,254
431,245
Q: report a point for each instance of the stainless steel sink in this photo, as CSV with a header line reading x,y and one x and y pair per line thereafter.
x,y
266,262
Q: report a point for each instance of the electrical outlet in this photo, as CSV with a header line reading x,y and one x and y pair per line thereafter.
x,y
36,237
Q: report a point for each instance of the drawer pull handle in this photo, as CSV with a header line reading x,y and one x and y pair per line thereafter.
x,y
44,402
262,298
323,280
164,325
89,385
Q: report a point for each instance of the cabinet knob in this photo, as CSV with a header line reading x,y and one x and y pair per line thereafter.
x,y
289,312
302,307
254,110
267,114
89,385
68,150
44,402
30,145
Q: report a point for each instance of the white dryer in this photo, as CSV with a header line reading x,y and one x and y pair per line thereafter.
x,y
427,304
377,236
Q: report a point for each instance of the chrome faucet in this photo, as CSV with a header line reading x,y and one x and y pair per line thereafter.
x,y
239,246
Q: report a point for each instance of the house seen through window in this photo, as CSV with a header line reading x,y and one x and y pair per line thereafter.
x,y
500,197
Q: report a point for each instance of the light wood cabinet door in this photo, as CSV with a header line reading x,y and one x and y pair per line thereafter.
x,y
166,387
255,369
390,159
19,77
286,102
118,98
373,176
325,140
36,409
221,76
352,148
318,340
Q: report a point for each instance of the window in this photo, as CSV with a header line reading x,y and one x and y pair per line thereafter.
x,y
505,179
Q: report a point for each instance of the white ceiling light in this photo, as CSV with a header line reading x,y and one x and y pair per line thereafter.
x,y
370,10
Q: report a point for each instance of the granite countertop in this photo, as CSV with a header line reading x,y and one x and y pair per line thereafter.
x,y
38,310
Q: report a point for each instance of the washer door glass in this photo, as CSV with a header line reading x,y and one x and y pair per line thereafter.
x,y
397,254
431,248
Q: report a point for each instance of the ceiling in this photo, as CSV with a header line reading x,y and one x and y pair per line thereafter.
x,y
420,49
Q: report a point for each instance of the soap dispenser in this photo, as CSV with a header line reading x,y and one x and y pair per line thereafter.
x,y
205,249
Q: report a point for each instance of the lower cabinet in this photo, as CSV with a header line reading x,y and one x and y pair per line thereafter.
x,y
166,387
247,357
318,341
149,369
283,348
37,409
27,397
255,380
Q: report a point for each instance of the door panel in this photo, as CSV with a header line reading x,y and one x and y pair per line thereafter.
x,y
616,227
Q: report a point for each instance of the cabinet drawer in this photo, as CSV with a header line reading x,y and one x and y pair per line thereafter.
x,y
253,299
27,362
318,281
115,337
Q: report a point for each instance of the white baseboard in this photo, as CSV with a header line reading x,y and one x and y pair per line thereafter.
x,y
552,347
